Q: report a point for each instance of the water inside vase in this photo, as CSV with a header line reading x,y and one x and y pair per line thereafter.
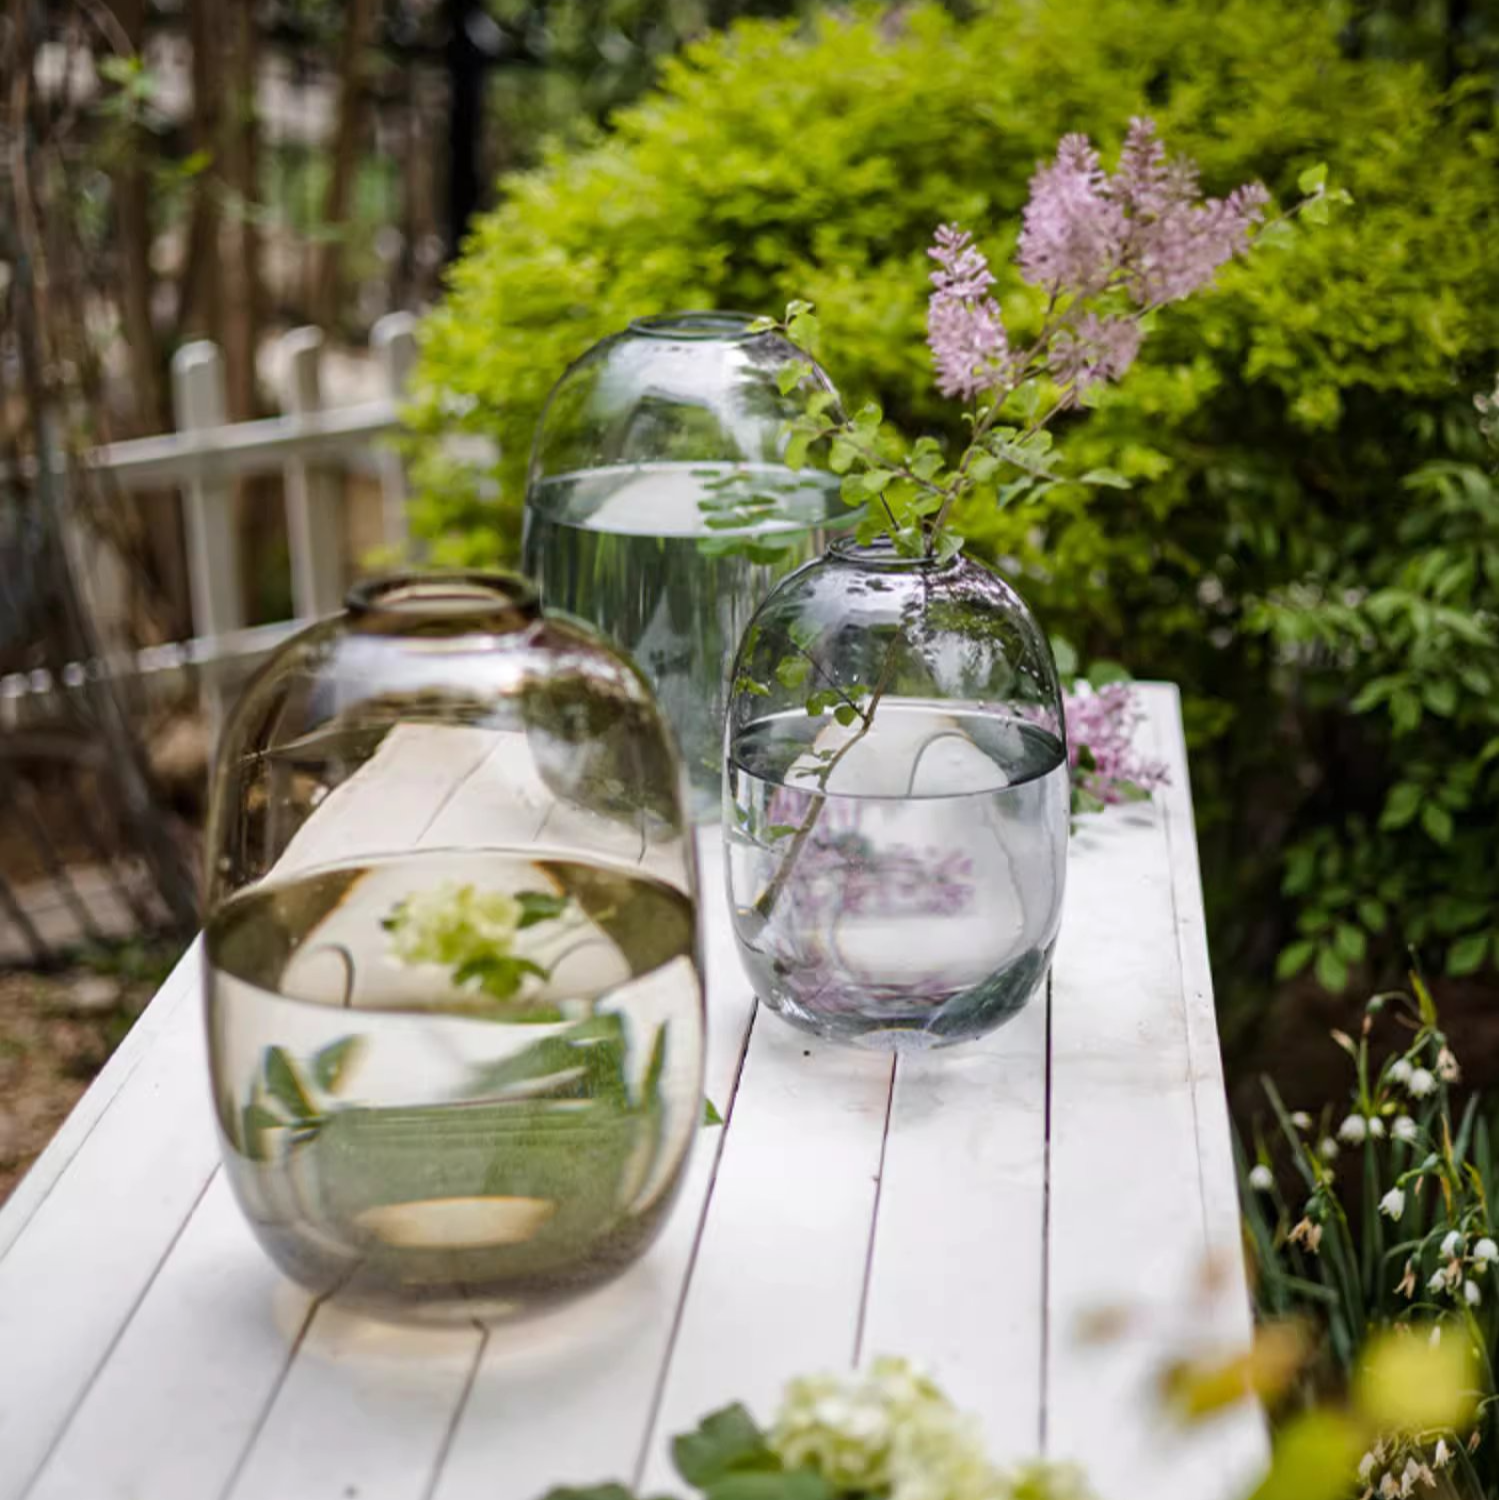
x,y
900,884
454,1084
670,560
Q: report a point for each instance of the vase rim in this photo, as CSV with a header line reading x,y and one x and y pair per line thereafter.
x,y
883,554
700,324
467,599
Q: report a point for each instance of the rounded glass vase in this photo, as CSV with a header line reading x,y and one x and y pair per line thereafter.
x,y
896,800
455,1015
660,508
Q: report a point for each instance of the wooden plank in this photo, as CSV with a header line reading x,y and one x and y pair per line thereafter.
x,y
777,1285
568,1399
71,1282
365,1411
956,1277
1127,1208
179,1399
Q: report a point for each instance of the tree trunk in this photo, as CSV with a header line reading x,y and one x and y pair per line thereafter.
x,y
465,118
198,298
353,58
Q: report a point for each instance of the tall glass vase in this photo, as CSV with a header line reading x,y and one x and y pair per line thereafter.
x,y
659,506
896,799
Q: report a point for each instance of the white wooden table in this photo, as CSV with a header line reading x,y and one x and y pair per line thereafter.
x,y
970,1210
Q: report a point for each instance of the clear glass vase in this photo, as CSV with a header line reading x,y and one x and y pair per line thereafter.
x,y
455,1017
896,799
659,506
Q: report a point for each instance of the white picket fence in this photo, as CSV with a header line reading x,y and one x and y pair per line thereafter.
x,y
311,445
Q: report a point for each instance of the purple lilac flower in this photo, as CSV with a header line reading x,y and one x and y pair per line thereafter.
x,y
1146,222
1074,230
1104,720
1096,349
964,326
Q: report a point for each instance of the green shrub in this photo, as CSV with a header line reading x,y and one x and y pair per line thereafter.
x,y
1274,554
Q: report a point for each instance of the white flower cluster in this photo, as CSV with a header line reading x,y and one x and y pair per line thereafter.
x,y
890,1430
449,923
1461,1267
1385,1477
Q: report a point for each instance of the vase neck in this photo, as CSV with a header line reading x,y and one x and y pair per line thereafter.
x,y
444,603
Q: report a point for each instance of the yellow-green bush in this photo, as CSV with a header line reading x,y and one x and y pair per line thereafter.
x,y
1270,427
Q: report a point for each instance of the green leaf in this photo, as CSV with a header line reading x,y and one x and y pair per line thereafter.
x,y
1401,805
499,975
796,449
842,456
1372,914
788,377
591,1491
846,714
792,671
285,1086
1440,696
799,1484
725,1441
1331,971
1102,673
1313,179
1350,942
1064,654
1467,954
778,831
1106,478
1437,822
539,906
711,1115
762,325
1278,236
331,1063
1294,958
1315,210
1405,710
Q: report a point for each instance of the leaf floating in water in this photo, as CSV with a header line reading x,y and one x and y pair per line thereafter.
x,y
330,1065
540,906
711,1115
285,1085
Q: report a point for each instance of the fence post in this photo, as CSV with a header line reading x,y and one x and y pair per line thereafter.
x,y
394,341
314,492
198,402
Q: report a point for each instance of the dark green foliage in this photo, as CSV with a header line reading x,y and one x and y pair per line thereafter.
x,y
1307,545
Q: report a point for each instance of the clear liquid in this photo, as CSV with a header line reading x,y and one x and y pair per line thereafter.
x,y
670,561
913,899
432,1114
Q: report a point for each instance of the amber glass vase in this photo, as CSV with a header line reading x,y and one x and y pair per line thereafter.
x,y
454,1009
